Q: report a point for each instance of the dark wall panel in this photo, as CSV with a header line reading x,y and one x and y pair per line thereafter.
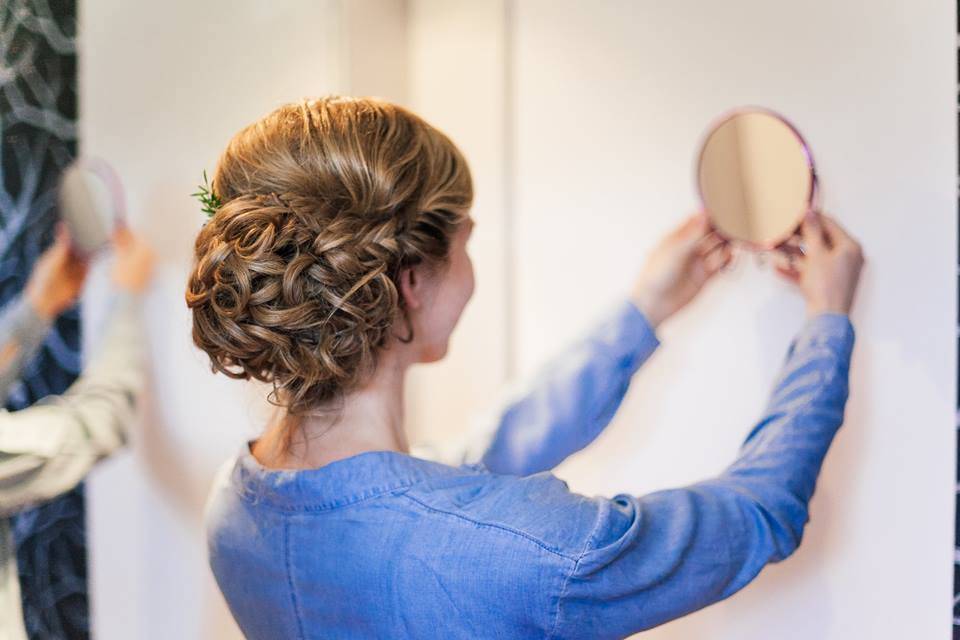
x,y
38,137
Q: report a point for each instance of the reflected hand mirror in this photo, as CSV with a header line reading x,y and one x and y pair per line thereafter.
x,y
91,203
756,178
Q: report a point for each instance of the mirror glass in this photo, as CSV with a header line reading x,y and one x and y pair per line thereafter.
x,y
756,178
91,203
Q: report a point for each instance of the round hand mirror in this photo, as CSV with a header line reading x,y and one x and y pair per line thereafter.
x,y
756,177
91,203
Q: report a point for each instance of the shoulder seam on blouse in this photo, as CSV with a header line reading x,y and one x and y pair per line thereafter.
x,y
492,525
573,570
257,499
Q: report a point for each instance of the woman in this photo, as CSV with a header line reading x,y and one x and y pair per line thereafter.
x,y
336,260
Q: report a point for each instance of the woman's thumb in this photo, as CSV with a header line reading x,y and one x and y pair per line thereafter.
x,y
693,229
812,231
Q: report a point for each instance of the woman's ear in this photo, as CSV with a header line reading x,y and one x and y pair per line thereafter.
x,y
411,287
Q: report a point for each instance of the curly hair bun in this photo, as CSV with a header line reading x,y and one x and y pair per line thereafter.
x,y
323,201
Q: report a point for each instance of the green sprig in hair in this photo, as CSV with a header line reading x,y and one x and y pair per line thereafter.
x,y
210,201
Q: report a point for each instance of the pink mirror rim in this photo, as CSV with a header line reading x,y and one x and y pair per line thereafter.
x,y
811,195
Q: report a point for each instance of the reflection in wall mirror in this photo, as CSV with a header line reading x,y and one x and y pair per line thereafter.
x,y
91,203
756,177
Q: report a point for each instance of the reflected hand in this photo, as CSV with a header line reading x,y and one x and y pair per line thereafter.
x,y
57,277
678,268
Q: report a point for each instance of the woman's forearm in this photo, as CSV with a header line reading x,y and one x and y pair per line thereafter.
x,y
781,458
571,399
671,552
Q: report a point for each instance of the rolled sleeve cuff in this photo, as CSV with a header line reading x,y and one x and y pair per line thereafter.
x,y
27,326
833,330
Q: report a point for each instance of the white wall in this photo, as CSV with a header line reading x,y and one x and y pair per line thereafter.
x,y
456,56
611,99
163,86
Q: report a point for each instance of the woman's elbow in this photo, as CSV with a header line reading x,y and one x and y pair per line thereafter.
x,y
779,526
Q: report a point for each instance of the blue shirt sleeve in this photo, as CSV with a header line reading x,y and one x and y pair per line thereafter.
x,y
565,405
654,558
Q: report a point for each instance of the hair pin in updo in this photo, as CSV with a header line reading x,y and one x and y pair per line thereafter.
x,y
210,201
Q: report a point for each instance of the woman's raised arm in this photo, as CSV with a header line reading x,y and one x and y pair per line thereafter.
x,y
654,558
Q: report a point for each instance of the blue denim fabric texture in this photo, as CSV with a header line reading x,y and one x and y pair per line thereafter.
x,y
389,545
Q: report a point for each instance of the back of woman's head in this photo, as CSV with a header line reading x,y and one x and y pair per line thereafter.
x,y
322,203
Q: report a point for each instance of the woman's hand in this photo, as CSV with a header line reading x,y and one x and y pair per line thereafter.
x,y
57,277
829,269
678,268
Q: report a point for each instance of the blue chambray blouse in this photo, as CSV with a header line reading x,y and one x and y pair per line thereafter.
x,y
389,545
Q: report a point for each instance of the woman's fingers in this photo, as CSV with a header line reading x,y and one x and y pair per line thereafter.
x,y
61,235
717,258
710,242
60,248
792,246
790,274
812,232
692,230
789,265
122,236
838,236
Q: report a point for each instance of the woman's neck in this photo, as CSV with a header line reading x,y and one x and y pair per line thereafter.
x,y
371,420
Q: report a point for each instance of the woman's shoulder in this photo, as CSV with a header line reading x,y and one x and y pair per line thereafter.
x,y
539,507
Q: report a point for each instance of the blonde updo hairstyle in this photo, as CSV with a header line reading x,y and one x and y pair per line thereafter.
x,y
322,203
